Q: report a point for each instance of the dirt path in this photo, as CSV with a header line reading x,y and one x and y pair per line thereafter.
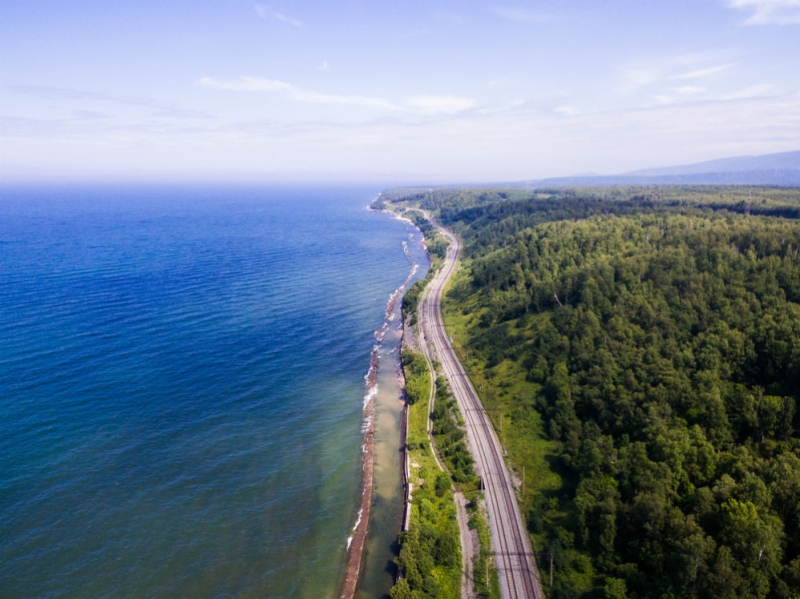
x,y
469,547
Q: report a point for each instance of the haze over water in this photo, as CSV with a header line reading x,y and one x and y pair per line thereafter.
x,y
181,385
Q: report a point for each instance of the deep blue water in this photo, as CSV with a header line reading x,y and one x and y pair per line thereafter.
x,y
181,383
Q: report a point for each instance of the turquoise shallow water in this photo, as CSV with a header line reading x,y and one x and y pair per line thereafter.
x,y
181,384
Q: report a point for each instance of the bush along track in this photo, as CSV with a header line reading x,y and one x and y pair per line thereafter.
x,y
430,558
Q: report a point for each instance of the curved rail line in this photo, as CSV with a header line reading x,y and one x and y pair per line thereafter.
x,y
510,543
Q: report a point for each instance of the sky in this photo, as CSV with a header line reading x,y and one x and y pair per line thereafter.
x,y
390,92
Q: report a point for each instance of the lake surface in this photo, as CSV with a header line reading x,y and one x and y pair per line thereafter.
x,y
181,386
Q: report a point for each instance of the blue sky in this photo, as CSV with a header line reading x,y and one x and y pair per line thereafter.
x,y
410,92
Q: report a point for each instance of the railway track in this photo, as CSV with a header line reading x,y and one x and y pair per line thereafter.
x,y
510,543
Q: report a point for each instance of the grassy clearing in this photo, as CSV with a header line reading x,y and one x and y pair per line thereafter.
x,y
508,399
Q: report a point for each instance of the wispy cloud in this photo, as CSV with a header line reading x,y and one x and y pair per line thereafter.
x,y
530,141
705,72
265,13
566,110
154,107
520,15
690,68
679,94
440,104
421,105
768,12
292,92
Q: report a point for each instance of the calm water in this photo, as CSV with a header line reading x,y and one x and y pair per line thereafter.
x,y
181,384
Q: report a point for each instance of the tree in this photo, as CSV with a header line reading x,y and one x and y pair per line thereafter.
x,y
615,588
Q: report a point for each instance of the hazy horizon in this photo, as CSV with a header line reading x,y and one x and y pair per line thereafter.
x,y
448,92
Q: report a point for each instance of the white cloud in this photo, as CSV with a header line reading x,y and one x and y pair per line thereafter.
x,y
324,66
527,142
567,110
260,84
769,12
265,13
655,76
679,94
705,72
439,104
421,105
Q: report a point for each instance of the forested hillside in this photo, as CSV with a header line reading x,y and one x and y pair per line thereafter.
x,y
650,341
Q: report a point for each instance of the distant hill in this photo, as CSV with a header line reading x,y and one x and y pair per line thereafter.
x,y
783,161
781,169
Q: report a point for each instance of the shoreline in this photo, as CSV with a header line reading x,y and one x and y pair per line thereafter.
x,y
356,541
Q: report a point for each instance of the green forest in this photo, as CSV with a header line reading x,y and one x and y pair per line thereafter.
x,y
642,347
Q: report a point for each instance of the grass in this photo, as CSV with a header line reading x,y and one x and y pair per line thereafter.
x,y
508,399
418,420
426,507
433,510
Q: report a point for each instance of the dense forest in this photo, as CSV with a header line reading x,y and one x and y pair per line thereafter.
x,y
655,334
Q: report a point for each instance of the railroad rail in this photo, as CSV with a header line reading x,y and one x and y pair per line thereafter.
x,y
510,543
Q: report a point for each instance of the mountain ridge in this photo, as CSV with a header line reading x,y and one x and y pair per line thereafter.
x,y
779,169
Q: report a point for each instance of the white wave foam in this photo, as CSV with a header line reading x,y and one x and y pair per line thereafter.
x,y
370,395
365,427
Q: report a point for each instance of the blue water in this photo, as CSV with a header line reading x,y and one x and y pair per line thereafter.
x,y
181,383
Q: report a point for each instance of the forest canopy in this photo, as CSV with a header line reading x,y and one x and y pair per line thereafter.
x,y
657,333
